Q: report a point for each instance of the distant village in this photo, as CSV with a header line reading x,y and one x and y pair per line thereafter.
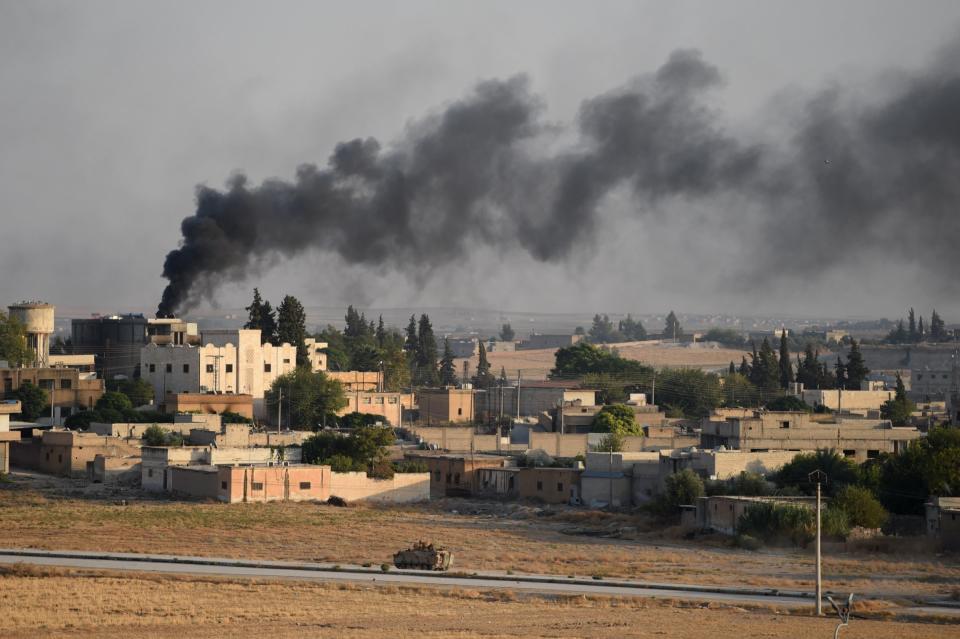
x,y
270,412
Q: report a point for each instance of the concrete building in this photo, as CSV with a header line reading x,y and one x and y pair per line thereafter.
x,y
860,402
228,362
535,398
157,461
37,319
7,407
535,341
500,346
209,403
357,380
859,439
935,383
455,439
67,453
609,477
550,485
115,341
461,346
386,405
447,405
68,390
316,353
455,475
722,464
721,513
943,521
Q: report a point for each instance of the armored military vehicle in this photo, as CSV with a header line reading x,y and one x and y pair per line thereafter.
x,y
423,556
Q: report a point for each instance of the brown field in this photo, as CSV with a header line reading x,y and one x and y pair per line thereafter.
x,y
536,364
482,536
59,603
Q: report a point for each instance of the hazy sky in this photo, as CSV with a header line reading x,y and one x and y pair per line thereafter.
x,y
111,113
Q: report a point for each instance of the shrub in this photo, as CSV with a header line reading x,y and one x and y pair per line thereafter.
x,y
339,502
385,567
748,542
410,466
680,489
835,522
381,470
82,419
778,523
840,471
788,403
745,484
114,400
230,417
610,443
342,464
155,436
860,507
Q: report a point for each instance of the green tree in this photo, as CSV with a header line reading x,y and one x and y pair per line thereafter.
x,y
610,443
113,400
808,369
506,333
306,398
426,354
680,489
338,357
602,330
786,369
583,358
938,329
912,333
260,315
292,327
860,506
856,368
33,401
738,391
672,328
765,369
725,336
138,391
898,335
692,391
788,403
840,471
364,447
632,329
81,420
616,418
13,342
448,368
484,378
899,409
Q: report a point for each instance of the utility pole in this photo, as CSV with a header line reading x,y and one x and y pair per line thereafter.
x,y
279,406
518,394
819,477
653,398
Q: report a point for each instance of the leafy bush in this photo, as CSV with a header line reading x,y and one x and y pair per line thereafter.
x,y
778,523
835,522
616,418
745,484
788,403
343,464
114,400
230,417
82,420
860,506
747,542
680,489
155,436
410,466
610,443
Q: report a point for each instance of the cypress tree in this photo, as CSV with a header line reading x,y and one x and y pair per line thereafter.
x,y
426,357
483,379
448,370
856,368
292,327
786,369
912,326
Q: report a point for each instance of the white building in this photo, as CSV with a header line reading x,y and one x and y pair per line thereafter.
x,y
226,361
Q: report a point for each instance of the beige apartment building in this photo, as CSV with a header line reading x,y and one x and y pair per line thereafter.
x,y
7,408
228,362
447,405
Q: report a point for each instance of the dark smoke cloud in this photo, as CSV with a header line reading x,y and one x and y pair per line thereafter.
x,y
852,178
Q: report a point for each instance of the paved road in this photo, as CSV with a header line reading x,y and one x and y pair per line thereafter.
x,y
358,574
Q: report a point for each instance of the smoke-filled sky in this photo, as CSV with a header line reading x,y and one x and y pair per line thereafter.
x,y
751,157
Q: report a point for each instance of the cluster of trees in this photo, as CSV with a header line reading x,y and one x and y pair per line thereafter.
x,y
288,324
116,406
769,371
914,331
604,332
364,449
618,419
367,346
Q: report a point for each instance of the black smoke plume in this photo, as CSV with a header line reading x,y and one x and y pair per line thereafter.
x,y
853,177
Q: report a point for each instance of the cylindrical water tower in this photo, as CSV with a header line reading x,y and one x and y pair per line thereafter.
x,y
37,320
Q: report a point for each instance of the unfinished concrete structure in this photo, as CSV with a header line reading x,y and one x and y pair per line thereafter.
x,y
454,475
721,513
158,461
209,403
67,453
858,439
68,390
943,521
7,407
389,406
447,405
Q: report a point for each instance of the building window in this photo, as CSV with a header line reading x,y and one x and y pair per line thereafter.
x,y
48,456
223,485
46,384
286,360
456,479
169,368
849,452
539,485
459,411
257,485
366,400
873,454
266,368
66,383
436,475
559,486
785,424
510,483
229,368
304,485
378,400
186,368
59,459
209,368
448,478
153,368
391,400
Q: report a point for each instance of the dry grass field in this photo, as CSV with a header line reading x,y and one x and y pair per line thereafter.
x,y
536,364
59,603
483,537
